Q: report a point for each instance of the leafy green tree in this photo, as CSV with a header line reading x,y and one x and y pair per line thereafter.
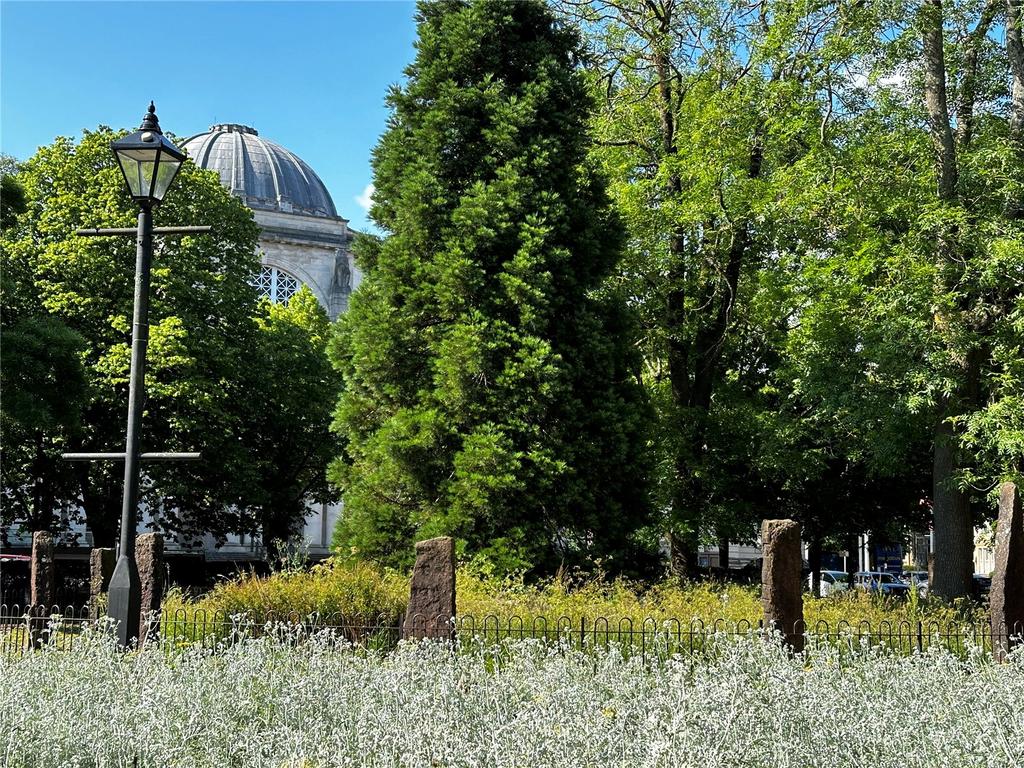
x,y
42,385
200,333
289,436
711,112
490,391
245,382
910,319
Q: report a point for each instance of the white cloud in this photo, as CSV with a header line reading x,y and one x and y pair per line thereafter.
x,y
365,200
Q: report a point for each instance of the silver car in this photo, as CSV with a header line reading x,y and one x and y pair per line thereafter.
x,y
831,581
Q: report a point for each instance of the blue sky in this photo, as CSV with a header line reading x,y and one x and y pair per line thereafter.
x,y
311,76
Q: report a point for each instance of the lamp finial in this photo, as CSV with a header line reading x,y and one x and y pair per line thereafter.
x,y
150,122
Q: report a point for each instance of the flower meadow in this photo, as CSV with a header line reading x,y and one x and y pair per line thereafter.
x,y
742,702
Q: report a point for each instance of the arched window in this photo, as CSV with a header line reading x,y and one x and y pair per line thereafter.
x,y
276,284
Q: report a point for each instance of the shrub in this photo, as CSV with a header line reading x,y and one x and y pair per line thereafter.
x,y
578,597
353,590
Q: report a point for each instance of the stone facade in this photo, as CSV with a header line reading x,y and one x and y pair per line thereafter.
x,y
302,233
315,250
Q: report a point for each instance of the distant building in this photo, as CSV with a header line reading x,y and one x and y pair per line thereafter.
x,y
303,240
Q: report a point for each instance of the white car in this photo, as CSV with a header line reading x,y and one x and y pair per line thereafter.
x,y
831,581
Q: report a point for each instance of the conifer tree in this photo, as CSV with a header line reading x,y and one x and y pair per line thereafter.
x,y
490,380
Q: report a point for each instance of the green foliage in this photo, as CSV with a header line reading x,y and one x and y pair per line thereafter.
x,y
716,129
808,306
12,200
246,384
43,385
290,440
490,393
353,590
200,327
591,597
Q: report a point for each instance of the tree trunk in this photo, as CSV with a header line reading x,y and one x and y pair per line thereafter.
x,y
969,79
723,551
682,554
935,98
954,534
950,506
1015,53
852,558
102,509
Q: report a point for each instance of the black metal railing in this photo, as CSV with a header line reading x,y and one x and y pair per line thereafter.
x,y
22,629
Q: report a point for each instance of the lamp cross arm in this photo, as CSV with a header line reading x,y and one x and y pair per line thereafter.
x,y
133,231
160,456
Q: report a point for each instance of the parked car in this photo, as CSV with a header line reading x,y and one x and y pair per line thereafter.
x,y
831,581
917,580
882,583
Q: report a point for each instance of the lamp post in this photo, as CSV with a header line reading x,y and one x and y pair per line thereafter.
x,y
149,163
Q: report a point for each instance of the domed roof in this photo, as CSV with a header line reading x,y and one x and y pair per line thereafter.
x,y
264,174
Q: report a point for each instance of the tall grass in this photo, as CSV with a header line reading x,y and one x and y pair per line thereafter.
x,y
362,591
355,591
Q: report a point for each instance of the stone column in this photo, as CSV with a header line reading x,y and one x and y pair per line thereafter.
x,y
101,566
781,590
43,580
42,583
149,557
1006,600
432,591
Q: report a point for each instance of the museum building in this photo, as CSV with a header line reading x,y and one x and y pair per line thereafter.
x,y
303,241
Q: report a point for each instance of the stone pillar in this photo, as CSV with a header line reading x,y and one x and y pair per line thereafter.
x,y
1006,600
43,579
42,583
101,567
149,557
432,591
781,590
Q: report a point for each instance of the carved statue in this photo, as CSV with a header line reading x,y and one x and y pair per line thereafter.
x,y
342,281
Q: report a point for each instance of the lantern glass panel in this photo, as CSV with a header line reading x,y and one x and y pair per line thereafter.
x,y
138,165
165,173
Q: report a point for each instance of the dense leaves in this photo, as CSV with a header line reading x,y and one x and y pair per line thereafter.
x,y
809,302
490,393
253,395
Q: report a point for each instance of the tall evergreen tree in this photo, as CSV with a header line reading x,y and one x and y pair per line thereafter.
x,y
491,388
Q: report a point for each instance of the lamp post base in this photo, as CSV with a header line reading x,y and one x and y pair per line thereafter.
x,y
124,600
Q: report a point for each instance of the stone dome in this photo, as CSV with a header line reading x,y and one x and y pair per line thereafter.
x,y
265,175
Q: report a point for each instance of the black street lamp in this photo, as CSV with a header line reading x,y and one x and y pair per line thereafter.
x,y
148,160
149,163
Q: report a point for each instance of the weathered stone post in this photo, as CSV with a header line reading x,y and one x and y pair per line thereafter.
x,y
42,576
42,583
149,557
780,580
432,591
101,566
1006,600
